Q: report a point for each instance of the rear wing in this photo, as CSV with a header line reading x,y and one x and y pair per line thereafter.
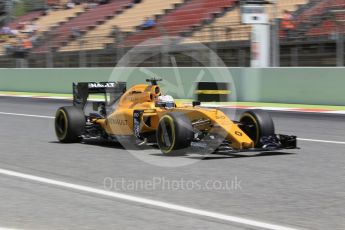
x,y
82,90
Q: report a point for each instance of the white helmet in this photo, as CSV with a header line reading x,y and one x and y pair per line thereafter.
x,y
167,101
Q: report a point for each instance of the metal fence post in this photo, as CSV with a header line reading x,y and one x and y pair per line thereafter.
x,y
275,60
340,36
118,41
340,45
165,47
49,58
82,53
294,56
213,46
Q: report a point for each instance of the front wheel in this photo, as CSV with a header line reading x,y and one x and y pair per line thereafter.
x,y
174,134
69,124
257,124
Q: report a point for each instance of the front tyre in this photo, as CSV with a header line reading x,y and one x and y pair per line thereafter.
x,y
174,134
257,124
69,124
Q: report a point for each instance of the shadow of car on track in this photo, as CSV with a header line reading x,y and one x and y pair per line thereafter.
x,y
108,144
212,156
215,156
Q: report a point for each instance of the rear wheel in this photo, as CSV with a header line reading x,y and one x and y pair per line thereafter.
x,y
69,124
174,134
257,124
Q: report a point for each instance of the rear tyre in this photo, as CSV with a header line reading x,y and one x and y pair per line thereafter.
x,y
257,124
69,124
174,134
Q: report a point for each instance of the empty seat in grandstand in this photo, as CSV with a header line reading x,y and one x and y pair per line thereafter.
x,y
56,17
125,22
329,22
329,27
310,13
182,19
229,27
326,28
289,5
83,22
31,16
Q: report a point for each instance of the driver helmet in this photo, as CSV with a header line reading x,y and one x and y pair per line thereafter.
x,y
166,100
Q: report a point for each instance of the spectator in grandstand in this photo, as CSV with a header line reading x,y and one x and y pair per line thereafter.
x,y
76,32
6,30
117,35
24,27
27,44
130,5
70,5
148,23
20,47
30,27
34,39
103,2
11,46
33,26
46,10
90,5
7,33
4,37
21,25
287,23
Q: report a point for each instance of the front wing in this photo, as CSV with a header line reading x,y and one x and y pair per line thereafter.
x,y
267,143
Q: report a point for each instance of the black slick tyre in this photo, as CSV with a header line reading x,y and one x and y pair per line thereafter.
x,y
174,134
257,124
69,124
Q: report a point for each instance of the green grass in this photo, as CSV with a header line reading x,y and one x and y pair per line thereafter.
x,y
63,95
251,104
37,94
264,104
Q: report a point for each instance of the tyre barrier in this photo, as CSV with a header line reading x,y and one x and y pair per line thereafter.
x,y
212,91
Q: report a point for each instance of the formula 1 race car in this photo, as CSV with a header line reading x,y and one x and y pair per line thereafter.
x,y
145,114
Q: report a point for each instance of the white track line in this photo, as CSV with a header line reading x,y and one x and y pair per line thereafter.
x,y
135,199
322,141
8,228
26,115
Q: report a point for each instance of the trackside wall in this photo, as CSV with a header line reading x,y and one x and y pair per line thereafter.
x,y
323,86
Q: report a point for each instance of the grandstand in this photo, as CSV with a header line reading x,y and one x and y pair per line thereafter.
x,y
57,17
192,14
125,22
31,16
327,21
229,26
108,27
44,22
83,23
18,25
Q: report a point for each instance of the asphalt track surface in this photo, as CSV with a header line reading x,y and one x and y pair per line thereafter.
x,y
301,189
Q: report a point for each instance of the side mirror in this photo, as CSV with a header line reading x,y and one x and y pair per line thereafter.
x,y
196,103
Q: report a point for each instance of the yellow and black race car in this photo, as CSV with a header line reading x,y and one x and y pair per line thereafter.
x,y
145,114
